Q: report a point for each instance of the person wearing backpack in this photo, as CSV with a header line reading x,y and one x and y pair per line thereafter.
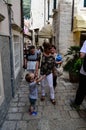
x,y
32,60
81,91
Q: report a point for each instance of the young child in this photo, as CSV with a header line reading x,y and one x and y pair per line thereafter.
x,y
33,90
58,59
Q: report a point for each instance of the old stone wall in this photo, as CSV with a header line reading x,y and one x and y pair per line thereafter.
x,y
62,22
6,74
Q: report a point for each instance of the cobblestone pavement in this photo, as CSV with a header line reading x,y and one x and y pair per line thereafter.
x,y
49,117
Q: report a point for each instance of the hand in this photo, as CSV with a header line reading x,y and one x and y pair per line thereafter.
x,y
36,74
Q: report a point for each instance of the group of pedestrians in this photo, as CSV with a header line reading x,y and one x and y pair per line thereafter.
x,y
47,65
48,61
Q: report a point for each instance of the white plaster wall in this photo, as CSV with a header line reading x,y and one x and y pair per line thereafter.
x,y
4,25
4,28
37,12
16,11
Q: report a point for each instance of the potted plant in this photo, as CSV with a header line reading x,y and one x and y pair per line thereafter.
x,y
73,63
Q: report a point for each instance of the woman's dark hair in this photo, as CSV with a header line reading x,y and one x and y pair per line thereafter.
x,y
53,46
41,48
46,45
32,47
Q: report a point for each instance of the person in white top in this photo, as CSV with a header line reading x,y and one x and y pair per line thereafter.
x,y
81,91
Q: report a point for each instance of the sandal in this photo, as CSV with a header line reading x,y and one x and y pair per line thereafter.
x,y
53,101
42,98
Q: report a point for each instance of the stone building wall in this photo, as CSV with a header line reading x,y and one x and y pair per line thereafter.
x,y
6,74
65,33
62,22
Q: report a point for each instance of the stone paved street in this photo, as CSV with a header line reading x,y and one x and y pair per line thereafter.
x,y
49,117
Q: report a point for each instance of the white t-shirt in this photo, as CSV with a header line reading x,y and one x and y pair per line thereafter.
x,y
83,49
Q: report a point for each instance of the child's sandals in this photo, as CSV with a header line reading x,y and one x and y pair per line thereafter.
x,y
53,101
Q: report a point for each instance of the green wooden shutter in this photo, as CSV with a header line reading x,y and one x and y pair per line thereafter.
x,y
84,3
54,4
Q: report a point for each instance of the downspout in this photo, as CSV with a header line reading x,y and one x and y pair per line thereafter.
x,y
72,15
48,9
44,12
22,25
11,48
22,18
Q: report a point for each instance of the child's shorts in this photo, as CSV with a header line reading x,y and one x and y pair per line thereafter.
x,y
32,101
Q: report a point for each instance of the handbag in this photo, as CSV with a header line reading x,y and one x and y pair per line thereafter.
x,y
84,64
60,70
55,73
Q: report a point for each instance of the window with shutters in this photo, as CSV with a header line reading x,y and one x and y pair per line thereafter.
x,y
16,54
84,3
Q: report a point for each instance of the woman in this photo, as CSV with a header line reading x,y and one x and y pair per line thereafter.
x,y
32,60
57,63
47,65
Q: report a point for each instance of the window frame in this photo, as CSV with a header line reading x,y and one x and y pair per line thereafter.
x,y
16,54
1,83
84,3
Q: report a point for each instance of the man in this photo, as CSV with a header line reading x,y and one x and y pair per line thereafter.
x,y
81,92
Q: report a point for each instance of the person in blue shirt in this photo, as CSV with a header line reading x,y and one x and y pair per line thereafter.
x,y
33,90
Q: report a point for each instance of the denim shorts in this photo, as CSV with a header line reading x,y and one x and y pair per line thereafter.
x,y
32,101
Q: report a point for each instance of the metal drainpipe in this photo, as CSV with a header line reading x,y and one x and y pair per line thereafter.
x,y
48,9
11,49
44,12
72,15
22,25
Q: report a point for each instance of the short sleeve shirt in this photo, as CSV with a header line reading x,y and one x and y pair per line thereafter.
x,y
83,49
32,59
47,64
33,90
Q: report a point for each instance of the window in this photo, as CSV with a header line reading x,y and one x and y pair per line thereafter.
x,y
16,54
1,84
84,3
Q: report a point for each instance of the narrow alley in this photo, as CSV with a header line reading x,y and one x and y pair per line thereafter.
x,y
25,23
58,117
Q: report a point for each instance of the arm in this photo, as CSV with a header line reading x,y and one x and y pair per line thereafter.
x,y
37,65
82,55
39,79
36,69
58,62
25,63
